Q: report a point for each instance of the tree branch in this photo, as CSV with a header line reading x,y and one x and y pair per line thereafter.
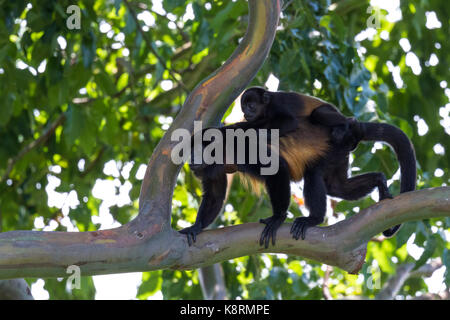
x,y
403,273
212,282
128,249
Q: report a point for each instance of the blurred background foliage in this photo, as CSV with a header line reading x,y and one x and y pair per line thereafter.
x,y
82,110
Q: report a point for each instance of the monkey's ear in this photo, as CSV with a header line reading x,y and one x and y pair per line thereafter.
x,y
266,98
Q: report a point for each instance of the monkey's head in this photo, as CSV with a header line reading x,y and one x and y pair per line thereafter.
x,y
254,102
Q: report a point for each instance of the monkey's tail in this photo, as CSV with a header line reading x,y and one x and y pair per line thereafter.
x,y
404,150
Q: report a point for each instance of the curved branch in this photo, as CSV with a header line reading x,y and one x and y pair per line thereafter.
x,y
48,254
208,102
141,244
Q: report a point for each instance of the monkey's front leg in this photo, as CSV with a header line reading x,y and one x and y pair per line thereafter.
x,y
279,190
214,183
315,195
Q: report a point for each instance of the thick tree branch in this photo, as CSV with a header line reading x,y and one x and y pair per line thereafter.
x,y
125,249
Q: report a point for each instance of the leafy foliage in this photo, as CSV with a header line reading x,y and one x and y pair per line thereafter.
x,y
73,100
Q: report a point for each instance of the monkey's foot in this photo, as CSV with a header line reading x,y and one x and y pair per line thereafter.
x,y
300,226
385,194
270,230
191,233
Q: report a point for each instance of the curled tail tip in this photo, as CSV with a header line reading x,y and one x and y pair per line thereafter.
x,y
391,231
402,146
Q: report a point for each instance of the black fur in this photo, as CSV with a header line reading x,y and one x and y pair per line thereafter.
x,y
280,110
214,188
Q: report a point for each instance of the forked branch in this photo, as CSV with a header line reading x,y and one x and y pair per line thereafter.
x,y
149,243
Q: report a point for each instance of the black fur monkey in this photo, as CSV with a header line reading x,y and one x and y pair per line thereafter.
x,y
315,143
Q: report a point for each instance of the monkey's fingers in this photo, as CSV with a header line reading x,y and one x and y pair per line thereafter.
x,y
300,226
270,230
191,234
267,233
193,237
189,239
298,229
263,234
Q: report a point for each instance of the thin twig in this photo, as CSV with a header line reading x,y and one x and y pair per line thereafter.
x,y
93,162
325,289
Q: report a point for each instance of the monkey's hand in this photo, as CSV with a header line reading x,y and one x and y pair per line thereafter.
x,y
302,224
270,230
191,233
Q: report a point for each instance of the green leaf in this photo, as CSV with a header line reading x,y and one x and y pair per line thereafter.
x,y
105,82
88,49
428,252
130,25
405,233
171,5
7,109
151,284
79,129
77,77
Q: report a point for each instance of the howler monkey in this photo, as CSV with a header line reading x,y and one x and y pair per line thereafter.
x,y
315,142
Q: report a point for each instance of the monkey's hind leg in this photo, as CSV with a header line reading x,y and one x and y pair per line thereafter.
x,y
315,195
214,191
359,186
279,190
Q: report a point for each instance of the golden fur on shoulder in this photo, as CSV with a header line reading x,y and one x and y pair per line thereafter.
x,y
305,145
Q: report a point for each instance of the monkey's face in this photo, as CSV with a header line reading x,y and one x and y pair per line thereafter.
x,y
254,102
